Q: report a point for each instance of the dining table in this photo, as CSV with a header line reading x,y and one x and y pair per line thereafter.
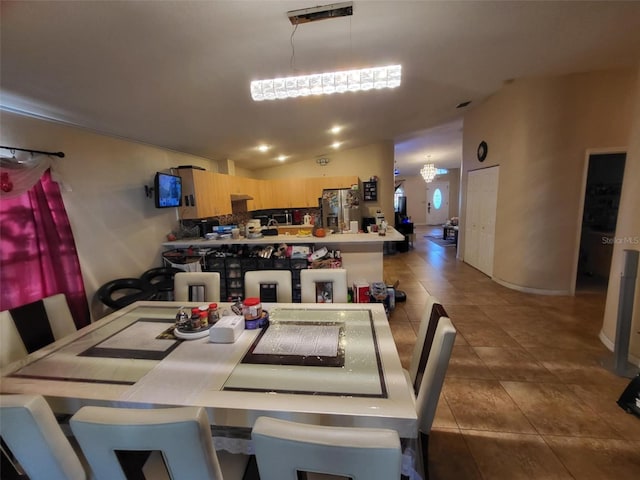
x,y
327,364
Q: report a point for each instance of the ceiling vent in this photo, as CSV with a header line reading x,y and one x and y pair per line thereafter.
x,y
306,15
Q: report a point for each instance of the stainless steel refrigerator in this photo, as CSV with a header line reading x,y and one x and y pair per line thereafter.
x,y
341,206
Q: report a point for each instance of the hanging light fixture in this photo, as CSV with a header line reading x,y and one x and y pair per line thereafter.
x,y
429,172
327,83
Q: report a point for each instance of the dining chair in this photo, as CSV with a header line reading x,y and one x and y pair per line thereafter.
x,y
284,448
119,293
29,327
268,285
431,314
431,385
162,279
36,441
176,443
313,283
196,287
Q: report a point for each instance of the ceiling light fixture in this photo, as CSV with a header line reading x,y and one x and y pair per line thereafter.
x,y
327,83
281,158
335,130
336,145
263,148
429,172
314,14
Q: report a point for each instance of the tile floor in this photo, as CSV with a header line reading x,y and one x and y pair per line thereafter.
x,y
525,396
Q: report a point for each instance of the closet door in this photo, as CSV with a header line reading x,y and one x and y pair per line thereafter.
x,y
482,196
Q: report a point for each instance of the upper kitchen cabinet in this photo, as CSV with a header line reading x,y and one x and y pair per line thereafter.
x,y
204,194
287,192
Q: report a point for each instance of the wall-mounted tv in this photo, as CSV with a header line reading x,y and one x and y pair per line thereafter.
x,y
168,190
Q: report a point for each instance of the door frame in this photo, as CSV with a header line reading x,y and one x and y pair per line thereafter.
x,y
583,192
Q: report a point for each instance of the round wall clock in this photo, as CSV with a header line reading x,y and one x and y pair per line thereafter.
x,y
482,151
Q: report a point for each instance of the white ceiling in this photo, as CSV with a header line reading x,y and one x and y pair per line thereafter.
x,y
176,73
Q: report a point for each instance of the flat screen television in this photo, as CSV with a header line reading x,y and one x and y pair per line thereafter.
x,y
168,190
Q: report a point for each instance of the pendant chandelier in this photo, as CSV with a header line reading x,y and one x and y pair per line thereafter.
x,y
429,172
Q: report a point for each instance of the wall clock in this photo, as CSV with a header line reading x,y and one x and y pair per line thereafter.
x,y
482,151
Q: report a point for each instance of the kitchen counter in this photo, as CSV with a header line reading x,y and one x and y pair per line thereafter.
x,y
361,252
336,238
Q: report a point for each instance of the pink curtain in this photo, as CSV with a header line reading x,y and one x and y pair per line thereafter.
x,y
38,255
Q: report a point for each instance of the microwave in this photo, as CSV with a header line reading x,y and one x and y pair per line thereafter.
x,y
282,218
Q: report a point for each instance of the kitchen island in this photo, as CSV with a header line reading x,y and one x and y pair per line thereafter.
x,y
361,252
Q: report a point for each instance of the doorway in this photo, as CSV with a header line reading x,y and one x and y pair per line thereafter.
x,y
605,173
437,203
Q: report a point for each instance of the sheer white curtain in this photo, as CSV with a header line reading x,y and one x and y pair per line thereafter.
x,y
20,171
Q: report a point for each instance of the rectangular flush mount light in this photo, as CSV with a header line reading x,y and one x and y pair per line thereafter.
x,y
327,83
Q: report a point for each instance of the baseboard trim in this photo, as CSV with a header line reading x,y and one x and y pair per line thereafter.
x,y
537,291
606,341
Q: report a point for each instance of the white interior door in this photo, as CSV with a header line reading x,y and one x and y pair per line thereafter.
x,y
437,203
480,224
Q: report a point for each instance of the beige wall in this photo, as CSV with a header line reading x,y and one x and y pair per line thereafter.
x,y
117,230
539,130
365,162
415,189
627,238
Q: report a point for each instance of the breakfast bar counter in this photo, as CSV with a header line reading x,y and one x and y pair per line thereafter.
x,y
361,252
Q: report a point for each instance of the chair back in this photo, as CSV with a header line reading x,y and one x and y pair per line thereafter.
x,y
30,327
314,282
434,373
121,292
283,448
261,283
181,435
188,286
33,436
162,279
431,314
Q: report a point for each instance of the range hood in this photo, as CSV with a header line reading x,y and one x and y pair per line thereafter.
x,y
240,196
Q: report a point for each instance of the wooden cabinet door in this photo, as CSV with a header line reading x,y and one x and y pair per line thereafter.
x,y
204,194
196,198
221,193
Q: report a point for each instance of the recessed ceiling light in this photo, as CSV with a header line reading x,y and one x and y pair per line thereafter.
x,y
336,129
336,145
263,148
281,158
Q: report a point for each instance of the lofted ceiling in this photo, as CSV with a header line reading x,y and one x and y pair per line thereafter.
x,y
176,74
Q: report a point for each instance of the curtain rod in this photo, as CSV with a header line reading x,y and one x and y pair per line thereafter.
x,y
55,154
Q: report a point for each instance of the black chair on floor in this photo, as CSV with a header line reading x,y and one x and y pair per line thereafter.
x,y
121,292
162,279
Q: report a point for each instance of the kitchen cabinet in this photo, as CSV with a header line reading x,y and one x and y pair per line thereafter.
x,y
204,194
208,194
288,192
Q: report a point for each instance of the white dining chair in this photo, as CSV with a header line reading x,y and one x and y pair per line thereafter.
x,y
29,327
34,438
431,314
257,280
196,286
431,385
284,448
178,439
310,278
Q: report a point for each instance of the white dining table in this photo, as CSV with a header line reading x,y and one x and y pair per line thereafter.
x,y
128,358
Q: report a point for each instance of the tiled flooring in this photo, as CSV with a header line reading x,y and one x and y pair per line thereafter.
x,y
525,396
